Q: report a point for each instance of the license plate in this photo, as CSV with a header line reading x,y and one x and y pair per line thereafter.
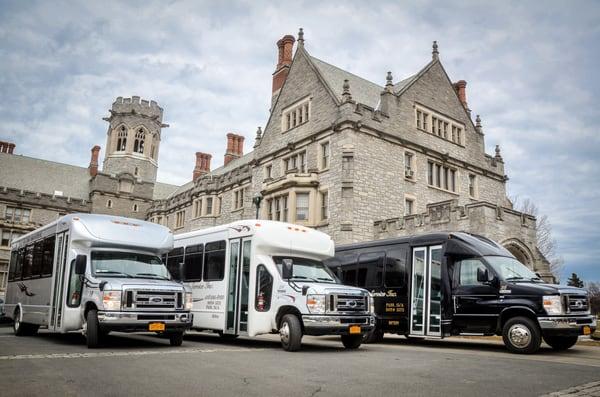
x,y
587,330
156,326
355,329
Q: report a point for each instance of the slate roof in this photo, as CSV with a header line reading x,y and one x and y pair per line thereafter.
x,y
37,175
363,91
163,190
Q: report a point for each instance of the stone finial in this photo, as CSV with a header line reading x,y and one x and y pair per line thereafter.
x,y
388,81
478,126
346,91
498,155
258,133
301,37
435,53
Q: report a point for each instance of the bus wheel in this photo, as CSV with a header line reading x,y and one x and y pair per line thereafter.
x,y
375,336
92,329
521,335
352,341
23,329
227,336
561,342
290,333
176,338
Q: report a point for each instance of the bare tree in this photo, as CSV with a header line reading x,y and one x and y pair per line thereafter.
x,y
545,242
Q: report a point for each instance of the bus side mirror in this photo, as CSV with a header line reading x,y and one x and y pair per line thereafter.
x,y
179,275
80,263
482,275
287,269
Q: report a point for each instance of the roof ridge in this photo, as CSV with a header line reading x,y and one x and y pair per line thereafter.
x,y
43,160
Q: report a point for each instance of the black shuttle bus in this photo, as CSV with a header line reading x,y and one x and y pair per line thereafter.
x,y
442,284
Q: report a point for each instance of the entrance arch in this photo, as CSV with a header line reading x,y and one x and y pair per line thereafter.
x,y
520,251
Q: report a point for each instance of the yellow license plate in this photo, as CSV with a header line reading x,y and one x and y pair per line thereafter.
x,y
587,330
156,326
355,329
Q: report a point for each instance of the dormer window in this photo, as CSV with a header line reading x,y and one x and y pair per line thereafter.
x,y
138,144
122,139
295,115
439,125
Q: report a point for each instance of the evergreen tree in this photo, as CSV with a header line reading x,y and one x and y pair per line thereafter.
x,y
575,281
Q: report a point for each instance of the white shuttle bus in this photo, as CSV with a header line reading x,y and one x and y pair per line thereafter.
x,y
257,277
95,274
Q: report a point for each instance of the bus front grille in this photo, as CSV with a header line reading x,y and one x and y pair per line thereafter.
x,y
348,303
152,300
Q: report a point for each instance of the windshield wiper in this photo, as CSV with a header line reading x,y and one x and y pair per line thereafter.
x,y
304,278
152,275
102,272
325,279
514,278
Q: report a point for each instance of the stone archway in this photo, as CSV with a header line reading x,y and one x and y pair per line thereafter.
x,y
520,251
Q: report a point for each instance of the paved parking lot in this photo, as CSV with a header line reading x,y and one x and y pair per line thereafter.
x,y
206,366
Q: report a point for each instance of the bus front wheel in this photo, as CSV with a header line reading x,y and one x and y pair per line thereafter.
x,y
93,335
176,338
290,333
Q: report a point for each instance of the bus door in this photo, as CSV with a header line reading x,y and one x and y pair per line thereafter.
x,y
237,286
426,292
58,283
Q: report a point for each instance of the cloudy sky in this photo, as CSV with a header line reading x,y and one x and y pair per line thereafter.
x,y
531,69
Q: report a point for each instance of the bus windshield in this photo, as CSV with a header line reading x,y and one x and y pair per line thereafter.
x,y
128,264
510,269
308,269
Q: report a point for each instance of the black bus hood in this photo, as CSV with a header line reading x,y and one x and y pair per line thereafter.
x,y
532,288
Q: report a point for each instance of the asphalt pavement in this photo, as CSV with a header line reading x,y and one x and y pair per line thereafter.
x,y
61,365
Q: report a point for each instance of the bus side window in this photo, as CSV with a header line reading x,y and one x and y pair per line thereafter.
x,y
193,262
214,261
38,256
75,287
48,256
348,267
174,258
13,265
264,289
28,262
395,267
19,265
370,269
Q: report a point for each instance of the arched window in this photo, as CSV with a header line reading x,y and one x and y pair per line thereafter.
x,y
138,144
122,139
135,208
109,203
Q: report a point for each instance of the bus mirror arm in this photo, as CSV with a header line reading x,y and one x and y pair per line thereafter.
x,y
80,264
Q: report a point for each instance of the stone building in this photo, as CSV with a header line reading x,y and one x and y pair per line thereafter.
x,y
339,153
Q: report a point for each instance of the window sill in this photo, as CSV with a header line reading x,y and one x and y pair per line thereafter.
x,y
440,137
323,170
443,190
294,127
237,210
323,223
410,180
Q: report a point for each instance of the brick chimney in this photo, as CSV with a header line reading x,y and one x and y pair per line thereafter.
x,y
235,147
93,168
202,165
7,147
461,89
285,48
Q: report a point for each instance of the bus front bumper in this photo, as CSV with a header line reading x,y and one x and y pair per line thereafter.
x,y
337,325
145,321
567,325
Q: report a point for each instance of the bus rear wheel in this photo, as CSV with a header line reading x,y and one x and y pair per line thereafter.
x,y
23,329
290,333
375,336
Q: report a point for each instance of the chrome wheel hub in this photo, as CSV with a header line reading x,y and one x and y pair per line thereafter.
x,y
519,335
284,333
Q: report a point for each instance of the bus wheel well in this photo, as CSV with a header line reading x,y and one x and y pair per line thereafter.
x,y
283,310
514,312
89,306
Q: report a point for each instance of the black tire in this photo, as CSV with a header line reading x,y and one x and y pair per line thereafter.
x,y
561,342
176,338
227,336
521,335
352,341
375,336
290,333
93,334
23,329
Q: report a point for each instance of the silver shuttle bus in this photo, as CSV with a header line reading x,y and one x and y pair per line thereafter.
x,y
95,274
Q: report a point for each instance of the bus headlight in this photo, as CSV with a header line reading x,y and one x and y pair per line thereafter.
x,y
552,304
112,300
189,302
315,303
371,304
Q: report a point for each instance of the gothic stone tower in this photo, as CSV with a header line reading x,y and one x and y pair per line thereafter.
x,y
125,185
